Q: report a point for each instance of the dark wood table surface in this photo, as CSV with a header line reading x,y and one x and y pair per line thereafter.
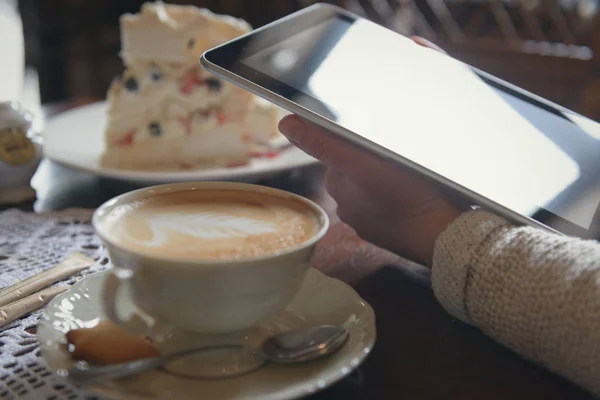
x,y
421,351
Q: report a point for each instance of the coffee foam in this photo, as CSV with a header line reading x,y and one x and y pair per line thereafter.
x,y
211,224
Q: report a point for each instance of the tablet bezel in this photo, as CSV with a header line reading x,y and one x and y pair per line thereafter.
x,y
224,61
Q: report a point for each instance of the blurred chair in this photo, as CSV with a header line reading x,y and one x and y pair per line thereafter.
x,y
75,43
549,47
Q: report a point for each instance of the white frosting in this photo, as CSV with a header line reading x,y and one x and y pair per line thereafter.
x,y
163,31
262,120
204,226
146,98
161,46
175,122
160,101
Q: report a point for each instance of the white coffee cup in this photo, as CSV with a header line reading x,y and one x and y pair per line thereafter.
x,y
204,296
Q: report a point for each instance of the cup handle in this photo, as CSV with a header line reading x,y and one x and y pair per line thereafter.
x,y
136,324
114,280
139,323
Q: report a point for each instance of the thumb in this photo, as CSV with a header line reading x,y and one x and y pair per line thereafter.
x,y
311,139
426,43
328,148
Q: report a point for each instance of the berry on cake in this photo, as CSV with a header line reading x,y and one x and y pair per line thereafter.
x,y
165,112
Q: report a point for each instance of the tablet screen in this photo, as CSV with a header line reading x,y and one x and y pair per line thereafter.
x,y
538,160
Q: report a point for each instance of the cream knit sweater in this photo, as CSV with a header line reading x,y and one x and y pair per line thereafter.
x,y
537,293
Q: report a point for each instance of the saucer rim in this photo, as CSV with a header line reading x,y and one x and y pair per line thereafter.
x,y
331,376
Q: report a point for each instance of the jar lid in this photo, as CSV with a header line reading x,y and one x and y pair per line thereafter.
x,y
14,116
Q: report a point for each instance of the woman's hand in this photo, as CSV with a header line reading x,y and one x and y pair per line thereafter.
x,y
387,205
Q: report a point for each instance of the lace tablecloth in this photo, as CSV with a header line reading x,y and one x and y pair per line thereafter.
x,y
31,243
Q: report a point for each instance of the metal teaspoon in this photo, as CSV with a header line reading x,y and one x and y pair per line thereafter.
x,y
294,346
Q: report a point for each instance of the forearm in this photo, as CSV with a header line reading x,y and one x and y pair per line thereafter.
x,y
535,292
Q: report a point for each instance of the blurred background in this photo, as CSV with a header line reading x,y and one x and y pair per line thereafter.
x,y
550,47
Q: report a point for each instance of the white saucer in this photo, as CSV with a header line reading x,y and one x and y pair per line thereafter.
x,y
76,139
321,300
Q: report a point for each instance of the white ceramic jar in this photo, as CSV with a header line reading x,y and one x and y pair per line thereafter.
x,y
20,153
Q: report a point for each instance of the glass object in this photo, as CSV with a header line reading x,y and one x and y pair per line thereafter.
x,y
12,51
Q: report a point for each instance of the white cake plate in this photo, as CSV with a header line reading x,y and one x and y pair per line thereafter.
x,y
76,139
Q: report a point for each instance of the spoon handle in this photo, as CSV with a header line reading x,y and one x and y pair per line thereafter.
x,y
81,374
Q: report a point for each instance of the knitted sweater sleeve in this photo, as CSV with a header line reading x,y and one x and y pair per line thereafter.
x,y
536,292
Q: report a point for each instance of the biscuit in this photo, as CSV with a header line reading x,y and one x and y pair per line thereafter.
x,y
106,343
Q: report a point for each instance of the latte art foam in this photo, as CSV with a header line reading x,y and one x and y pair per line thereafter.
x,y
218,224
203,225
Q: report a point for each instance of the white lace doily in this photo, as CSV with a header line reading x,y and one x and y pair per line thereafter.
x,y
31,243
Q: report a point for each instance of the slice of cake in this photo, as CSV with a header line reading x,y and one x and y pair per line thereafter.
x,y
166,112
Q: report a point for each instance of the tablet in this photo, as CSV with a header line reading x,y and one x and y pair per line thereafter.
x,y
507,150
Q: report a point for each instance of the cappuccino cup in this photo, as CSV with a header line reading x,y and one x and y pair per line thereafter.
x,y
207,257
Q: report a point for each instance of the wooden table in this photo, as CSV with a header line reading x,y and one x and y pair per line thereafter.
x,y
421,351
